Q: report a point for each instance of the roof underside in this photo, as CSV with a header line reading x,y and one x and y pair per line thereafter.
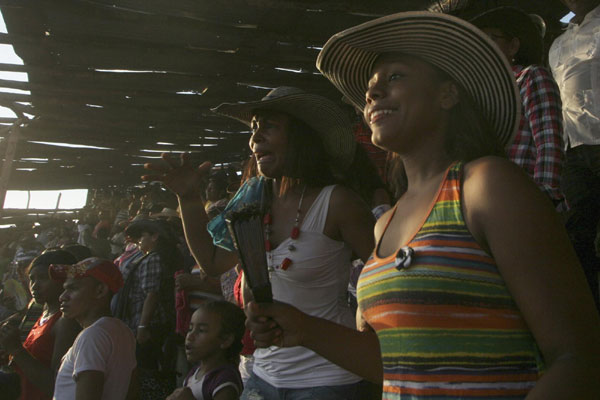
x,y
126,75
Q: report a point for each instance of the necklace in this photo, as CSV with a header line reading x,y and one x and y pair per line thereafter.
x,y
268,221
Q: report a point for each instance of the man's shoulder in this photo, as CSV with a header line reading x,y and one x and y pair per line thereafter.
x,y
110,326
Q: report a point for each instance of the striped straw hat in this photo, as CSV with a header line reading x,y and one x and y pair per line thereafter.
x,y
318,112
453,45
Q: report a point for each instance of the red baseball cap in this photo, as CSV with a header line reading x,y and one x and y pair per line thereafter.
x,y
97,268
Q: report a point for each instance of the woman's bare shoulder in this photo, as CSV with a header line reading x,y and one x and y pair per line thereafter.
x,y
495,178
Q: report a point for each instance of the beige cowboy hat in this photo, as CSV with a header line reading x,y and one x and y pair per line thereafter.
x,y
320,113
451,44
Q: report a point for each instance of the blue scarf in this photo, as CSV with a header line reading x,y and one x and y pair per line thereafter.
x,y
250,192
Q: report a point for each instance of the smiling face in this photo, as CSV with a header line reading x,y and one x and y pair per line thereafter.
x,y
43,289
204,339
405,100
269,142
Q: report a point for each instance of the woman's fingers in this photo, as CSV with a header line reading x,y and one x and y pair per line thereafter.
x,y
152,178
172,163
158,167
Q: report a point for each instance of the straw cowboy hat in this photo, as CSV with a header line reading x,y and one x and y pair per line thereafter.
x,y
451,44
516,23
321,114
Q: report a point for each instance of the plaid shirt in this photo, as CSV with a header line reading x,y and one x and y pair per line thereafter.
x,y
147,279
538,146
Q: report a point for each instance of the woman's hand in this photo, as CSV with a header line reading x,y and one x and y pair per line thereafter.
x,y
180,177
184,393
275,324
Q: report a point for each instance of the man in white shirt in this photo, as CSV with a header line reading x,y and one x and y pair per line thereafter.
x,y
575,62
101,363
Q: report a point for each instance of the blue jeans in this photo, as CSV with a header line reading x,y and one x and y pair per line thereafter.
x,y
258,389
581,185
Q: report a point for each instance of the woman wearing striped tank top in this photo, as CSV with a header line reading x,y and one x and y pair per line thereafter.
x,y
472,291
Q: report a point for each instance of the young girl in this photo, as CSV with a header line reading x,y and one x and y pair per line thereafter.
x,y
213,343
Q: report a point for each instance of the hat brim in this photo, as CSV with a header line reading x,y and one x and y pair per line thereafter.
x,y
136,228
451,44
318,112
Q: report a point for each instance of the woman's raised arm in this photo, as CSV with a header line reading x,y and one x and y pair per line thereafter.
x,y
185,181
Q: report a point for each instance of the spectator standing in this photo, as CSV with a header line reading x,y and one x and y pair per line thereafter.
x,y
101,363
313,225
538,144
472,288
146,302
37,359
575,62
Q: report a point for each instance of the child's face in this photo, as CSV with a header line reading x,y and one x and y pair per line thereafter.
x,y
203,340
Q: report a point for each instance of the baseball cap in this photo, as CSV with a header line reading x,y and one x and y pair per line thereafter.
x,y
102,270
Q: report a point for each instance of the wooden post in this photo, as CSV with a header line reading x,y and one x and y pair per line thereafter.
x,y
11,148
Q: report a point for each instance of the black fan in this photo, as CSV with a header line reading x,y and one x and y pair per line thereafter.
x,y
246,229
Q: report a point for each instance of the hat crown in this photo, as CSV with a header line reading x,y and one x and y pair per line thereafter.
x,y
282,91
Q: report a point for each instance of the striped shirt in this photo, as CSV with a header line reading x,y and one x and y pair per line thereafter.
x,y
447,324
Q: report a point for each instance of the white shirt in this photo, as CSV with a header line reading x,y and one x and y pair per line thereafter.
x,y
575,62
107,345
316,283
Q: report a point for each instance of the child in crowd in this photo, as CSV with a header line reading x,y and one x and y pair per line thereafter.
x,y
213,343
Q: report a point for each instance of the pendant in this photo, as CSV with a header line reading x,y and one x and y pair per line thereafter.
x,y
286,264
295,233
404,257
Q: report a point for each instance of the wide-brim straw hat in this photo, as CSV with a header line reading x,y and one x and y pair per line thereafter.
x,y
318,112
451,44
516,23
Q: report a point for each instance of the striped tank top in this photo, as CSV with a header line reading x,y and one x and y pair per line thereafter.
x,y
447,325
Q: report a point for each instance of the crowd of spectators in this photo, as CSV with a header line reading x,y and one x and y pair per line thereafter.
x,y
132,298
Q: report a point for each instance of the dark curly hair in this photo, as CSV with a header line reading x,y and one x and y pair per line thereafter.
x,y
232,323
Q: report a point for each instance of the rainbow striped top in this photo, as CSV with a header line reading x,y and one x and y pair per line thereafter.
x,y
447,325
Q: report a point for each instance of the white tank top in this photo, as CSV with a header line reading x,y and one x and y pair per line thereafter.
x,y
316,283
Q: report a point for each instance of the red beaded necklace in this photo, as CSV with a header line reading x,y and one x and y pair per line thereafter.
x,y
268,221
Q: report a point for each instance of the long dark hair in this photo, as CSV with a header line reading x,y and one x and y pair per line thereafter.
x,y
468,134
306,160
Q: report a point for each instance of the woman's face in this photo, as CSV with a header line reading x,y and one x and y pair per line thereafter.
x,y
403,102
42,288
269,143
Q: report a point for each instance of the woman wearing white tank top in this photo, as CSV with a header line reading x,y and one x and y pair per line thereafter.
x,y
302,144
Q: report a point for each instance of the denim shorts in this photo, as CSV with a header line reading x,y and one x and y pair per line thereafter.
x,y
257,389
